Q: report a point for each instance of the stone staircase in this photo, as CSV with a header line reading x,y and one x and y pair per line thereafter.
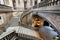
x,y
17,33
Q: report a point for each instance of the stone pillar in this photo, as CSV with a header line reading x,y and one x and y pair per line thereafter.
x,y
1,1
10,3
39,1
33,2
16,3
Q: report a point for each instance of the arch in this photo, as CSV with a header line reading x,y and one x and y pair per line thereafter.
x,y
43,18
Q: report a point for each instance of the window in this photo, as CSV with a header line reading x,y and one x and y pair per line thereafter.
x,y
25,4
18,1
0,17
6,2
35,2
14,4
41,0
31,2
46,23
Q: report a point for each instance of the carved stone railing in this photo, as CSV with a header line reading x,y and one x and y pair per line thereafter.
x,y
7,35
4,8
48,3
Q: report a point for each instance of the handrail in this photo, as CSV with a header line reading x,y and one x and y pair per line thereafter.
x,y
5,5
49,3
6,34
